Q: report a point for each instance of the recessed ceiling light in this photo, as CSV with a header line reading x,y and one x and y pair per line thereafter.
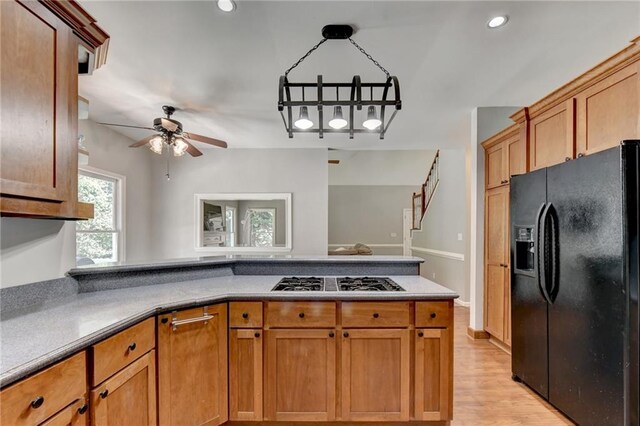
x,y
497,21
226,5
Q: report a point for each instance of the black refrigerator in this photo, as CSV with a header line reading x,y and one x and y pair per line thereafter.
x,y
574,285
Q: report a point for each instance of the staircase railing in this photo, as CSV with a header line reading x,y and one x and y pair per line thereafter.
x,y
422,199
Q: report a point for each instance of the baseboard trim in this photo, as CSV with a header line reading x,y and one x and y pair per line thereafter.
x,y
461,303
477,334
500,345
439,253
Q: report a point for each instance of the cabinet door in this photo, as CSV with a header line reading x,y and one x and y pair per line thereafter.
x,y
515,156
494,161
245,374
496,228
192,366
76,414
608,112
433,374
507,306
128,397
38,80
300,375
375,375
552,136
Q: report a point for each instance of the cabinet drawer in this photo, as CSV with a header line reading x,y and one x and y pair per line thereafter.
x,y
376,314
300,314
37,398
245,314
434,314
111,355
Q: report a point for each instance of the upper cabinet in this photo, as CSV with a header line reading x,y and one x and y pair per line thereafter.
x,y
39,65
505,156
552,136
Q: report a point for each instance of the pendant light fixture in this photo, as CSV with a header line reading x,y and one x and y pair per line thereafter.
x,y
388,93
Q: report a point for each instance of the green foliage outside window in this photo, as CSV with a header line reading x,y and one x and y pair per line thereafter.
x,y
97,238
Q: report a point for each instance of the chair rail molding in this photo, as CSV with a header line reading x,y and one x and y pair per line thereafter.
x,y
439,253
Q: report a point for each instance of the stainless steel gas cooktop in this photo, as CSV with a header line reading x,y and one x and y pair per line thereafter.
x,y
337,284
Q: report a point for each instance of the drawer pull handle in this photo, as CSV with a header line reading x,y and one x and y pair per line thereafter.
x,y
245,315
433,315
104,393
37,403
301,314
257,334
420,334
376,315
132,347
346,334
332,334
83,409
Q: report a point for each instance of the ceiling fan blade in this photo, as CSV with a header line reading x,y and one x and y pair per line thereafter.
x,y
334,161
142,142
195,152
169,125
126,125
204,139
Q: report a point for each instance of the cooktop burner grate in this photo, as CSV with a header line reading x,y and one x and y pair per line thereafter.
x,y
368,284
300,284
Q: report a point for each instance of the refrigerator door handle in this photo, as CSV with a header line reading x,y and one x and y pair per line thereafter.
x,y
542,253
555,252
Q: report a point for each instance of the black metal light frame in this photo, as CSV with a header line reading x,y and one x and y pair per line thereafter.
x,y
355,101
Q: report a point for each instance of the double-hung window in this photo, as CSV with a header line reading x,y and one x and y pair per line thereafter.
x,y
101,239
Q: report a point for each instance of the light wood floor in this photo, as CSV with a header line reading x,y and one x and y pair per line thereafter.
x,y
484,393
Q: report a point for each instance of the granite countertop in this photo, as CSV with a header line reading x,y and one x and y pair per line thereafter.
x,y
49,333
234,259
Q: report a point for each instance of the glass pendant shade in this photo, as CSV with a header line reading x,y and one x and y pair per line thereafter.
x,y
179,147
303,121
372,122
337,122
156,144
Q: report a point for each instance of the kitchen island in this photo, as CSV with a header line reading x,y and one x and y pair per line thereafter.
x,y
327,355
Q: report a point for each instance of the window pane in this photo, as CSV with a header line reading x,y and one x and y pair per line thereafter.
x,y
97,246
101,193
262,228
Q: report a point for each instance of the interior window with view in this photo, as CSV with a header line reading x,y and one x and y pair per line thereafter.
x,y
97,239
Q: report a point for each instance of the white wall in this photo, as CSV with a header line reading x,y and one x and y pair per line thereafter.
x,y
302,172
437,242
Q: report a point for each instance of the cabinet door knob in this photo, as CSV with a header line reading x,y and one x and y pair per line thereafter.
x,y
346,334
83,409
376,315
164,320
257,334
420,334
433,315
104,393
301,314
567,158
245,315
37,402
580,155
132,347
332,334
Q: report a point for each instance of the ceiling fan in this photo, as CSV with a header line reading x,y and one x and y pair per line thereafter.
x,y
169,132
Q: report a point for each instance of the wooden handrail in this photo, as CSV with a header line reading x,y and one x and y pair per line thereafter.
x,y
426,193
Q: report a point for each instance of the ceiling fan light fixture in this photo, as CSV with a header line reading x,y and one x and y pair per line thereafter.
x,y
179,147
337,122
226,5
372,122
156,144
303,121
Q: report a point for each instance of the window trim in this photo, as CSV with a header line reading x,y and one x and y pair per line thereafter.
x,y
120,200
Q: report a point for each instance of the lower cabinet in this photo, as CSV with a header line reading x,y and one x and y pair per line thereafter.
x,y
300,375
192,366
375,375
128,397
433,371
74,415
245,374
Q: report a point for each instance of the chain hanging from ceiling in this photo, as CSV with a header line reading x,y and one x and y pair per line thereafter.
x,y
292,95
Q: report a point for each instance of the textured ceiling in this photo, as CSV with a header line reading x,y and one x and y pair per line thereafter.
x,y
222,70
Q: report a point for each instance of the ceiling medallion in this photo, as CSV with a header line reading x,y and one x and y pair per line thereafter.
x,y
292,95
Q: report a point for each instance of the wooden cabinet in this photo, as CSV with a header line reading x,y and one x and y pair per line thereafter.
x,y
38,104
552,136
433,374
245,374
128,397
505,156
609,111
495,171
375,372
192,366
300,375
496,259
76,414
37,398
